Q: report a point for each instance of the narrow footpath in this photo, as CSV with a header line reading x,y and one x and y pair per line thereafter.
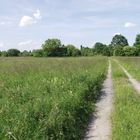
x,y
100,125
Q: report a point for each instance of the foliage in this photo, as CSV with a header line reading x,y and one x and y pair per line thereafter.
x,y
76,52
101,49
119,40
51,47
72,50
130,51
62,51
85,51
106,51
26,53
37,53
137,42
54,48
13,52
111,50
4,53
138,51
118,51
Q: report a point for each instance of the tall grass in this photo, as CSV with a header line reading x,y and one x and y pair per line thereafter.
x,y
126,114
132,64
48,98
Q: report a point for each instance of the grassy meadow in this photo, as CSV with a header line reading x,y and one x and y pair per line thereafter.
x,y
132,64
48,98
126,114
53,98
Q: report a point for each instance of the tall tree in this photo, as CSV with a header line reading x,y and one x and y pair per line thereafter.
x,y
111,49
119,40
118,51
86,51
101,49
71,50
50,47
137,41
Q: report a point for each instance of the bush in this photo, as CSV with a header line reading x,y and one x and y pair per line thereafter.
x,y
37,53
118,51
130,51
13,52
26,53
4,54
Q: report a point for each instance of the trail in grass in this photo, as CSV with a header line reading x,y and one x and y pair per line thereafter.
x,y
100,125
133,81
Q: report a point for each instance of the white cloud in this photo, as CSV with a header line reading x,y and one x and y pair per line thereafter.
x,y
129,25
37,14
28,42
26,20
29,20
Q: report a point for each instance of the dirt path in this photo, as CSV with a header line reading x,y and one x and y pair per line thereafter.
x,y
133,81
100,125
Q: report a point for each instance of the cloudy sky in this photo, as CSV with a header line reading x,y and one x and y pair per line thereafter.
x,y
26,24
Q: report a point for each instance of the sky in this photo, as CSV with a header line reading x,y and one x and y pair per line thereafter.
x,y
26,24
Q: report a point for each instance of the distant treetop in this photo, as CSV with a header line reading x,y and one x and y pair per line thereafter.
x,y
119,40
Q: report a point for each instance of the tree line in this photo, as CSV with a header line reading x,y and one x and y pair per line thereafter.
x,y
119,46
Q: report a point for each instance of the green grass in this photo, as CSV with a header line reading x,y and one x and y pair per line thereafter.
x,y
132,64
48,98
126,113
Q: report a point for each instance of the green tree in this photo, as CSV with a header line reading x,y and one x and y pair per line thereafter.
x,y
51,46
111,49
26,53
106,51
76,52
37,53
119,40
85,51
130,51
13,52
118,51
101,49
70,49
137,41
4,53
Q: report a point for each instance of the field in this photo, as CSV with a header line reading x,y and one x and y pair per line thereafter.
x,y
53,98
48,98
132,64
126,114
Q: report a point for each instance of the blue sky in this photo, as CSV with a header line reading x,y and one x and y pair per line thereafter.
x,y
26,24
